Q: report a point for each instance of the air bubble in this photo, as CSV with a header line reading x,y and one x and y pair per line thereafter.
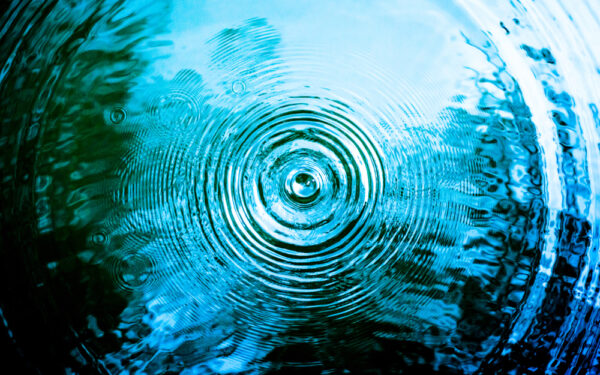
x,y
99,238
238,87
117,115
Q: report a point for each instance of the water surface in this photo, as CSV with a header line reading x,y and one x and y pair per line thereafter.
x,y
315,187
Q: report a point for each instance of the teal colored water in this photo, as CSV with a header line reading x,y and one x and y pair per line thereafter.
x,y
254,187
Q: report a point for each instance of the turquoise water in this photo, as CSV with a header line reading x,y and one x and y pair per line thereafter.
x,y
204,187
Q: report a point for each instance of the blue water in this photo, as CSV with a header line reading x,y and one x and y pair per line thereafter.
x,y
254,187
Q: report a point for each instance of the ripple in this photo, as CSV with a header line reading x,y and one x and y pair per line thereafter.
x,y
116,116
176,109
301,187
132,271
305,199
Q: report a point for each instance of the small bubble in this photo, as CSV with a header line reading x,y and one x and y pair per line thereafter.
x,y
99,238
238,87
134,271
117,115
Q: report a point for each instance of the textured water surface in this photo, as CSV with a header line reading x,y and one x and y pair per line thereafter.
x,y
300,187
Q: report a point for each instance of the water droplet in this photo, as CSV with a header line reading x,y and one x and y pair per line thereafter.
x,y
117,115
133,270
99,238
303,187
238,87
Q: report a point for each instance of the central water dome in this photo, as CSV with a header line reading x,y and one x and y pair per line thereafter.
x,y
302,186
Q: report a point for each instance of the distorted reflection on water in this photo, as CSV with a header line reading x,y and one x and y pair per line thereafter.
x,y
300,187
